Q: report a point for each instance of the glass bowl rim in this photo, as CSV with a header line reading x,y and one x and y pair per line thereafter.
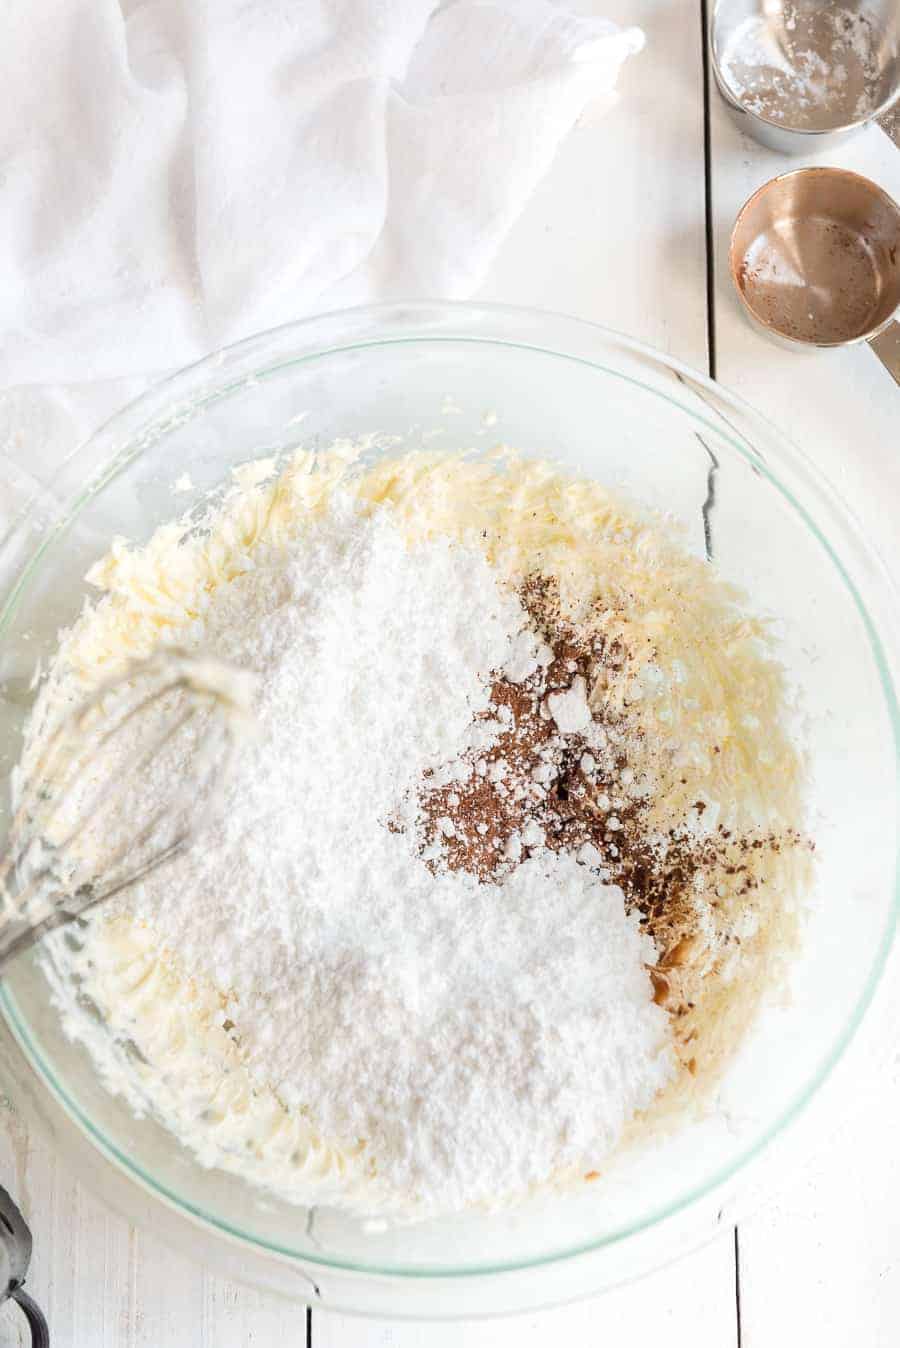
x,y
159,396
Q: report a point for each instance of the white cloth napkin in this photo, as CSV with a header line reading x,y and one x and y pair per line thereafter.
x,y
176,174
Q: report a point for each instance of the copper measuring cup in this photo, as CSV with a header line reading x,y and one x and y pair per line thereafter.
x,y
815,259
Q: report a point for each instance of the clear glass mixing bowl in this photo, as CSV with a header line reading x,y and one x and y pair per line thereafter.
x,y
609,408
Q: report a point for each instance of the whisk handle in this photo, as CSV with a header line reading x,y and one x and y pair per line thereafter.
x,y
18,934
15,1257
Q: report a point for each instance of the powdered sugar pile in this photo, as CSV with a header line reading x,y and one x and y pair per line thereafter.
x,y
476,1037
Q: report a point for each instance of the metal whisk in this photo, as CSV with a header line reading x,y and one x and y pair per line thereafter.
x,y
66,850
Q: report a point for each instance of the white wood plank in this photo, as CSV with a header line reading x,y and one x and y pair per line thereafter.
x,y
103,1284
690,1304
237,1315
820,1264
13,1331
80,1267
616,231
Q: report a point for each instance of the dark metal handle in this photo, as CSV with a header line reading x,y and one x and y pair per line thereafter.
x,y
15,1248
37,1322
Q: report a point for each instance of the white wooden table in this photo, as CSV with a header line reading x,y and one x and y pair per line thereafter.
x,y
630,228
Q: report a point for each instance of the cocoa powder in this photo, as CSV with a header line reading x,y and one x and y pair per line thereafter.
x,y
539,788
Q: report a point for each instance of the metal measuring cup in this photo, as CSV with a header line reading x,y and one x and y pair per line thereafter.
x,y
815,259
800,75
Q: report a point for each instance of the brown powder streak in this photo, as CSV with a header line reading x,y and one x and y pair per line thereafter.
x,y
595,804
